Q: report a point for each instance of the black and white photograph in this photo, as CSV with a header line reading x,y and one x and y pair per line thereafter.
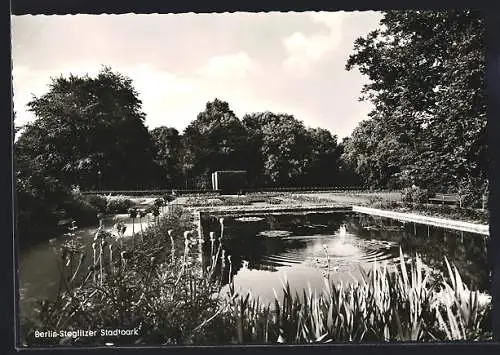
x,y
251,178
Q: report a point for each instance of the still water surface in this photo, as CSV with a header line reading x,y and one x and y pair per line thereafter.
x,y
38,267
266,250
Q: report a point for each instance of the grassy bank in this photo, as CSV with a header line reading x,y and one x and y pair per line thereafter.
x,y
38,220
157,283
37,223
443,211
230,200
392,201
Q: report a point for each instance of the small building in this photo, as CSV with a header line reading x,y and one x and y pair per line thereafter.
x,y
229,181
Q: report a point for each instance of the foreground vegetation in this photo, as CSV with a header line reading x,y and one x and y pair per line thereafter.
x,y
157,282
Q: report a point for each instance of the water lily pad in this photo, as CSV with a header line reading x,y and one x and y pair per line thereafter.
x,y
275,233
393,228
214,201
249,219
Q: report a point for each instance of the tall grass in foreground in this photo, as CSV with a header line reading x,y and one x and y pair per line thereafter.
x,y
399,305
161,287
153,286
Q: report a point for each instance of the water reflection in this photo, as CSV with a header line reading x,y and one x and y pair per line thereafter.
x,y
303,247
38,268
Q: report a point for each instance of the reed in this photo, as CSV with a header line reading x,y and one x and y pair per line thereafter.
x,y
141,213
133,214
404,304
149,286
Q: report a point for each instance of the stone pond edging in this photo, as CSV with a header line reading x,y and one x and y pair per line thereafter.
x,y
249,209
483,229
200,212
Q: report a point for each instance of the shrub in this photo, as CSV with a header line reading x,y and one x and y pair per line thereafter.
x,y
414,194
80,210
75,191
98,201
118,204
41,202
374,199
473,198
110,204
472,191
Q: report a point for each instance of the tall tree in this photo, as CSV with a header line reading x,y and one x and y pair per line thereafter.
x,y
214,141
375,154
284,150
253,123
324,158
168,153
347,175
89,132
426,71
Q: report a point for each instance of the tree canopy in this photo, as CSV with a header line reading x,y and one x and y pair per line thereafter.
x,y
428,127
168,150
426,72
88,132
426,80
215,140
286,153
275,149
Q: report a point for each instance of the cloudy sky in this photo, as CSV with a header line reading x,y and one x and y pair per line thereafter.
x,y
281,62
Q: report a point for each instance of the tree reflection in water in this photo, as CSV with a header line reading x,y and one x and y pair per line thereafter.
x,y
367,239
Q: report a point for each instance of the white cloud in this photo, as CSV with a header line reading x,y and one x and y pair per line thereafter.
x,y
303,50
155,84
313,47
26,83
233,66
158,90
332,20
174,87
165,97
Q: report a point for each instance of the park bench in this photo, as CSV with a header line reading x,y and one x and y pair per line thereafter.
x,y
445,199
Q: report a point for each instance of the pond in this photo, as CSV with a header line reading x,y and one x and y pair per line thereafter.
x,y
38,266
267,249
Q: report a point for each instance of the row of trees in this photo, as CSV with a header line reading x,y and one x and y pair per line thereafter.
x,y
90,132
274,149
